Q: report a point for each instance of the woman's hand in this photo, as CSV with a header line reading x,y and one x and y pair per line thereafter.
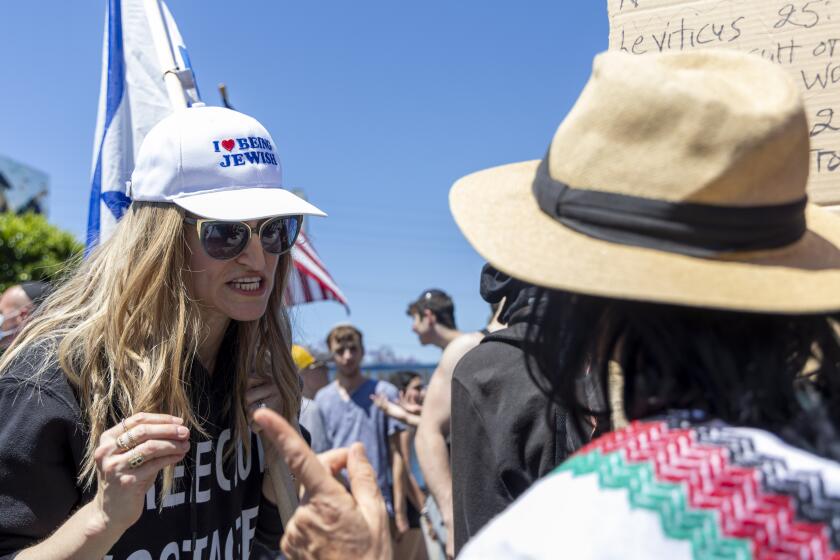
x,y
261,393
392,409
331,523
128,459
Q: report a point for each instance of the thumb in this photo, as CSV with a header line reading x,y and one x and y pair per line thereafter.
x,y
363,486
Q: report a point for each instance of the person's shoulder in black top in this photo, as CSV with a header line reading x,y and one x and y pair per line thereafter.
x,y
42,441
503,440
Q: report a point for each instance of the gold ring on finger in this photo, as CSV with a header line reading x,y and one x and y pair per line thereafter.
x,y
122,444
132,441
136,460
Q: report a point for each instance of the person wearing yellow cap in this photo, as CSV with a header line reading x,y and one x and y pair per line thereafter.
x,y
313,372
301,356
313,375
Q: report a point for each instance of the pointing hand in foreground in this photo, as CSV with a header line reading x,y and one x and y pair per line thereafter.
x,y
330,522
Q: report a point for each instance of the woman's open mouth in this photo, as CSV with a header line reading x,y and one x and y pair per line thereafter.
x,y
251,285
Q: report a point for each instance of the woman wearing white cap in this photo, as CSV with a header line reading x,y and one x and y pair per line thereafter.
x,y
127,400
670,227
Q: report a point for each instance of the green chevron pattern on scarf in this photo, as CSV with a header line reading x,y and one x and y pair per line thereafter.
x,y
677,518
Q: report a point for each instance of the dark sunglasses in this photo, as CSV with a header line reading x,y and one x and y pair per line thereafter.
x,y
225,240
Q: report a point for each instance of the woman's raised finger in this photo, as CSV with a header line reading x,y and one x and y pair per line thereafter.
x,y
149,450
148,470
142,418
145,432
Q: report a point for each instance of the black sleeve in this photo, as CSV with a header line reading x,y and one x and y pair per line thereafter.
x,y
40,451
478,493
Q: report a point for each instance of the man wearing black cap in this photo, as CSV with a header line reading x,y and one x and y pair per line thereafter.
x,y
16,304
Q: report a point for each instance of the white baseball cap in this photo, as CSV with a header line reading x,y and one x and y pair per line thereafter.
x,y
215,163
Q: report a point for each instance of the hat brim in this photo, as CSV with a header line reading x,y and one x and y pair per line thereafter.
x,y
499,216
244,204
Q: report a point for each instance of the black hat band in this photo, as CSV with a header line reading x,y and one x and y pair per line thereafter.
x,y
697,230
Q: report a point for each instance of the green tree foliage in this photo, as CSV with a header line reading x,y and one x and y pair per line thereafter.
x,y
33,249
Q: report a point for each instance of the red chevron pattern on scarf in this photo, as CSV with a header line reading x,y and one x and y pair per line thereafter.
x,y
706,470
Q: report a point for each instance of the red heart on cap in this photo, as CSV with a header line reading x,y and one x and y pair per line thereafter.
x,y
227,144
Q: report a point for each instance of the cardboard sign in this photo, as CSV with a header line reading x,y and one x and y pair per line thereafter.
x,y
801,36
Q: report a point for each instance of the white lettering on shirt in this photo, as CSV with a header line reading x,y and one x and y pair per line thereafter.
x,y
248,530
202,470
221,479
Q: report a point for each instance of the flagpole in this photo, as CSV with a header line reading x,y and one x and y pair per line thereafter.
x,y
172,75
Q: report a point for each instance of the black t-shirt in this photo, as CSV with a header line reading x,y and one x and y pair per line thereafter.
x,y
213,511
505,433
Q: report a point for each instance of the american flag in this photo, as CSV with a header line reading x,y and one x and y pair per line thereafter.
x,y
309,280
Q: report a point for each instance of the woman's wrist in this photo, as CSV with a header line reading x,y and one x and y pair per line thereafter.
x,y
96,524
89,533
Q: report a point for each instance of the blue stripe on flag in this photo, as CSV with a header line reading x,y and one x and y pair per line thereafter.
x,y
114,95
117,202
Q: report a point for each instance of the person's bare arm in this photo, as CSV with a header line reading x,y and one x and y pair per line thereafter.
x,y
431,448
86,534
398,468
395,411
413,491
434,427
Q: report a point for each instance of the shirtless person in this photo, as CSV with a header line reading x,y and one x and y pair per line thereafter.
x,y
433,315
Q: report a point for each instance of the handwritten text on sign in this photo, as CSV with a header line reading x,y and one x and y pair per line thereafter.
x,y
802,36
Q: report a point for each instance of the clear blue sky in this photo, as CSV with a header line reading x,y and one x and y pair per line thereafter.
x,y
376,108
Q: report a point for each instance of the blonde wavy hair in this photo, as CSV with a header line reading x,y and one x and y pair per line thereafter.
x,y
124,330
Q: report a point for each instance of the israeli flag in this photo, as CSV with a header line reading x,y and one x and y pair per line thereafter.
x,y
132,99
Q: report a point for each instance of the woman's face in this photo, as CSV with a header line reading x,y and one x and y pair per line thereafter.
x,y
414,392
236,289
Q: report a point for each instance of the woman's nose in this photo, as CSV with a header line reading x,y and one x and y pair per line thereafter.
x,y
253,255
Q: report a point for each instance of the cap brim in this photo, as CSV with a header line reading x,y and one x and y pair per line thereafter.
x,y
251,203
499,216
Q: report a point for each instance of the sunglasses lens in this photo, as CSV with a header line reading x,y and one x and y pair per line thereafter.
x,y
279,234
224,240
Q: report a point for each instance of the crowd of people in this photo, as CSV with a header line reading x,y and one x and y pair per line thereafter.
x,y
659,378
404,426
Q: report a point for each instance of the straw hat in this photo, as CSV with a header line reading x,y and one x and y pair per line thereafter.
x,y
676,178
